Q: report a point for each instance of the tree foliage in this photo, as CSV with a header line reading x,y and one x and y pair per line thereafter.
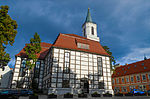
x,y
112,60
32,50
7,34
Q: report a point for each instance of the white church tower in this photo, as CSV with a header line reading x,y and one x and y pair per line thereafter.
x,y
89,28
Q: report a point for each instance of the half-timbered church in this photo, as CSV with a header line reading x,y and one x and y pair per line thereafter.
x,y
71,64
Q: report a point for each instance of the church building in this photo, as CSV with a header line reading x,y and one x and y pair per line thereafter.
x,y
71,64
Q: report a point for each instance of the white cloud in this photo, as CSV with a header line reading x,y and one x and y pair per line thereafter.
x,y
135,55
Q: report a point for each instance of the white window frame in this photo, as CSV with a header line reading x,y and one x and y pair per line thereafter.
x,y
149,76
142,76
122,80
131,79
127,80
66,62
117,80
139,77
99,65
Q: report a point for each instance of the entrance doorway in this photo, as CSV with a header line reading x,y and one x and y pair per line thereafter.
x,y
84,85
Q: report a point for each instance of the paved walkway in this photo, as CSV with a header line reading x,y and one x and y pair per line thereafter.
x,y
75,97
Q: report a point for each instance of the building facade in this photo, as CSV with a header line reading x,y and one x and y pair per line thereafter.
x,y
21,76
5,77
132,76
74,63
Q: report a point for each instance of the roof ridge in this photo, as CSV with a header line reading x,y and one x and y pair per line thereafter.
x,y
138,66
136,62
83,38
41,42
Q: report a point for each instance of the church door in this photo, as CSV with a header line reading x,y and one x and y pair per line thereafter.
x,y
85,86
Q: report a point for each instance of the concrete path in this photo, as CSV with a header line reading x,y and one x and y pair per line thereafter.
x,y
76,97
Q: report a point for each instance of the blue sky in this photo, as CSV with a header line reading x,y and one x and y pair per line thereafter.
x,y
123,25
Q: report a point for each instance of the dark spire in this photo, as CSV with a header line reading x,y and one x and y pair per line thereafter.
x,y
88,17
145,58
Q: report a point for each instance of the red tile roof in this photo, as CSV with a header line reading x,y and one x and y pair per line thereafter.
x,y
69,41
45,47
134,68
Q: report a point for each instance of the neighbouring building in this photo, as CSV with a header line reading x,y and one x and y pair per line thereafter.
x,y
71,64
132,76
5,77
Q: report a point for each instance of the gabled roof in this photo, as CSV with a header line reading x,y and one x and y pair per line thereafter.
x,y
45,47
70,41
134,68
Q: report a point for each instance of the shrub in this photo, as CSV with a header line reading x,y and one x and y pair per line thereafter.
x,y
107,95
52,95
82,95
68,95
95,94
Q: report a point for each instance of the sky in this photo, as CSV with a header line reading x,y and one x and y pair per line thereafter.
x,y
123,25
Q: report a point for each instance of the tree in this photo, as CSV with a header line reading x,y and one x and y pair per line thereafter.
x,y
32,50
7,34
112,60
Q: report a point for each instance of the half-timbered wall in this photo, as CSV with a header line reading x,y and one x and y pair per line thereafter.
x,y
81,65
21,77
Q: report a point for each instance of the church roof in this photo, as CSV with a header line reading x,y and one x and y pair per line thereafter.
x,y
70,41
134,68
44,50
88,17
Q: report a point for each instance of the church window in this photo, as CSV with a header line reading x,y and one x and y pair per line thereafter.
x,y
79,45
99,64
101,85
36,70
86,46
65,84
92,29
22,69
66,62
82,46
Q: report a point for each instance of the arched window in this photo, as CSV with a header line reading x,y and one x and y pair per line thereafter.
x,y
92,29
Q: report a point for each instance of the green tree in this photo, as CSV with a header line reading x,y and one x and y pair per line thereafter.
x,y
112,60
32,50
7,34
